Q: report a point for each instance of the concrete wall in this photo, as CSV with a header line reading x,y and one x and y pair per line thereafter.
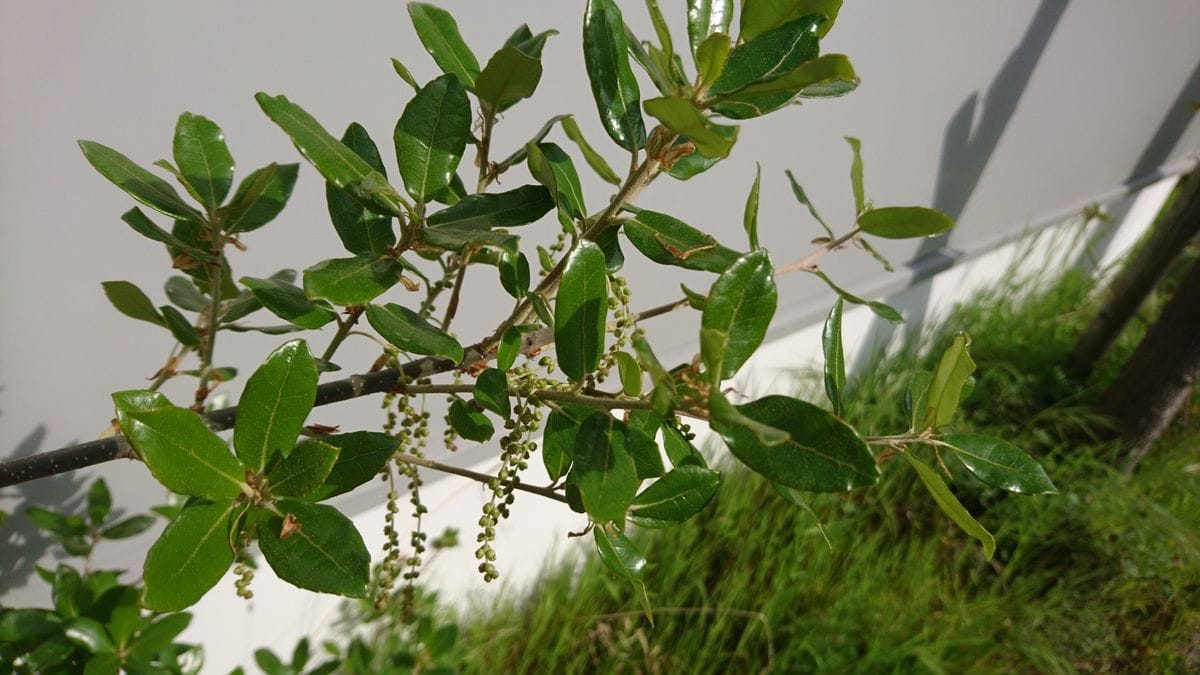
x,y
1009,116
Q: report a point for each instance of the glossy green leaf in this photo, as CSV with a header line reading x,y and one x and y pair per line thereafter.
x,y
593,158
681,116
558,439
203,158
288,302
610,244
509,76
66,591
1000,464
679,449
664,395
531,45
902,222
764,58
661,30
675,497
604,470
553,168
361,456
856,175
513,208
760,16
581,310
945,391
406,330
89,634
352,281
260,197
796,497
128,527
179,325
274,404
916,397
510,345
304,470
951,506
835,358
491,392
630,373
320,550
614,87
469,422
438,31
182,292
158,635
827,76
56,523
642,444
182,453
126,615
27,624
706,17
740,306
656,64
882,310
724,414
340,165
139,222
405,74
129,300
431,136
750,213
669,241
619,554
710,58
458,239
360,229
694,163
514,274
139,183
99,502
822,453
801,197
190,557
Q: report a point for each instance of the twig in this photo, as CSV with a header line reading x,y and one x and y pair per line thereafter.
x,y
484,478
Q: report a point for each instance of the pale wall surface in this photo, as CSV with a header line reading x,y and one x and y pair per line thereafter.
x,y
1007,115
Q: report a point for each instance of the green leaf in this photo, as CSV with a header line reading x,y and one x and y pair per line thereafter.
x,y
804,200
669,241
630,373
660,27
27,624
203,159
189,558
581,310
604,470
796,497
99,502
469,422
740,306
514,274
916,399
139,183
1000,464
361,456
724,414
553,168
593,158
304,470
340,165
288,302
321,550
438,31
558,439
513,208
759,16
710,59
681,116
277,399
56,523
260,197
680,450
614,87
455,238
640,441
158,635
764,58
822,453
902,222
531,45
856,175
129,300
406,330
182,453
835,358
431,135
491,392
510,345
945,391
360,229
509,76
180,327
675,497
884,311
129,527
750,214
827,76
664,395
89,634
706,17
619,554
352,281
694,163
139,222
405,74
951,506
66,591
182,292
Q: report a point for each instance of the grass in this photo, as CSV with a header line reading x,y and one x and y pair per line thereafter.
x,y
1103,577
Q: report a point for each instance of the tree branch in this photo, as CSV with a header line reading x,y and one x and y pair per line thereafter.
x,y
480,477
